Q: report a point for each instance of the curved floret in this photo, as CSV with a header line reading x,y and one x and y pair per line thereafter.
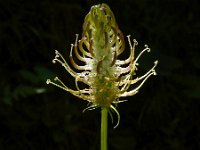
x,y
107,77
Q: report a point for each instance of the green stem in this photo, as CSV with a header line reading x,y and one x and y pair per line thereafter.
x,y
104,126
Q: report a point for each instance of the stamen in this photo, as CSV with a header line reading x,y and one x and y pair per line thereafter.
x,y
81,42
85,67
75,93
76,40
63,63
133,92
81,58
59,55
76,83
62,87
128,82
146,49
48,81
132,50
122,70
135,42
151,70
129,41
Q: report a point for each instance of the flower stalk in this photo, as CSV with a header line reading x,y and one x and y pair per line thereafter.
x,y
104,128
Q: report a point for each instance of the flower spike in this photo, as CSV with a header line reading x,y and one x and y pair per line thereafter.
x,y
107,77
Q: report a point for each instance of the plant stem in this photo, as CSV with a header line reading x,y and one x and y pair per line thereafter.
x,y
104,126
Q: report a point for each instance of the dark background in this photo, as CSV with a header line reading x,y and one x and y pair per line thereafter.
x,y
164,115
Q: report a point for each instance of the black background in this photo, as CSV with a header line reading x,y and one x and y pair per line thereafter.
x,y
164,115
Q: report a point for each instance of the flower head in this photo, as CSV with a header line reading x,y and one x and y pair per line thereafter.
x,y
107,77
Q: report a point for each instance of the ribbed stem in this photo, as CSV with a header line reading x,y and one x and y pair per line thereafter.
x,y
104,127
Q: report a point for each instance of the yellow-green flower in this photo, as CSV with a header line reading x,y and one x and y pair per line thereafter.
x,y
107,78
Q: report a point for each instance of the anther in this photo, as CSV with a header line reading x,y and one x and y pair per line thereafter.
x,y
156,62
56,52
135,42
54,61
48,81
56,79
